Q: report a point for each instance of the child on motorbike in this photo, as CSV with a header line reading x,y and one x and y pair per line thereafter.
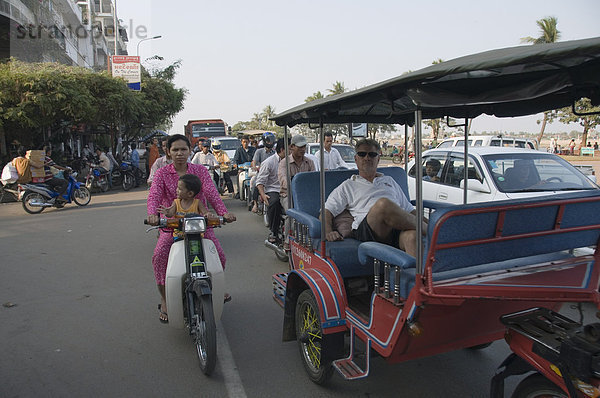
x,y
188,186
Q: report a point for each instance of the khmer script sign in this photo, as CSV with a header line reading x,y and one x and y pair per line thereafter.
x,y
128,68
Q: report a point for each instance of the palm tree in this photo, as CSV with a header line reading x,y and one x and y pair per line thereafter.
x,y
549,33
338,88
267,114
315,96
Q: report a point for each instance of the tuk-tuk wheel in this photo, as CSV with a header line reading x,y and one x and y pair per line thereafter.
x,y
310,338
537,386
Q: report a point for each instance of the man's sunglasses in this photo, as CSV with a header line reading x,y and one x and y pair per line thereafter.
x,y
371,154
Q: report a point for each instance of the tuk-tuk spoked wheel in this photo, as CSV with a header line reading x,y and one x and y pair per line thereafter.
x,y
537,386
310,339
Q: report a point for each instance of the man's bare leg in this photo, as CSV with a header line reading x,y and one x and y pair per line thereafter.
x,y
386,216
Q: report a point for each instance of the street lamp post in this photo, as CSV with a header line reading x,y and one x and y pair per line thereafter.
x,y
147,38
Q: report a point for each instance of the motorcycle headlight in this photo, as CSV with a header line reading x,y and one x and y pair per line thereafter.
x,y
194,225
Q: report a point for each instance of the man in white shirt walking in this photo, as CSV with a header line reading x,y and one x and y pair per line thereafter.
x,y
332,158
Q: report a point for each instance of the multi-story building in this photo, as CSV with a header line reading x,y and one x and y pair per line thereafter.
x,y
72,32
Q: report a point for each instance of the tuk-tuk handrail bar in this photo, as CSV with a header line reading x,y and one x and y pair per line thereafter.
x,y
442,246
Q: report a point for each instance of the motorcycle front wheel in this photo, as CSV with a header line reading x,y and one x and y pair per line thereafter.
x,y
33,196
205,333
128,181
82,196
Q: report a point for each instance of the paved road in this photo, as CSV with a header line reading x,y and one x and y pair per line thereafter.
x,y
80,318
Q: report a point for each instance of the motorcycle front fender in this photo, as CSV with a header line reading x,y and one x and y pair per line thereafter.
x,y
175,278
202,287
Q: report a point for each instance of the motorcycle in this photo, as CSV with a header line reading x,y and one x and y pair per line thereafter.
x,y
278,246
36,197
9,192
220,172
123,175
194,276
562,353
244,177
97,178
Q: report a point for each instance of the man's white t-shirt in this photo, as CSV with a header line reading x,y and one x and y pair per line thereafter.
x,y
332,159
358,195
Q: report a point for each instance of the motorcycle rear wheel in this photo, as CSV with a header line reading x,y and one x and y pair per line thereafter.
x,y
397,159
28,207
103,185
128,181
537,386
205,333
82,196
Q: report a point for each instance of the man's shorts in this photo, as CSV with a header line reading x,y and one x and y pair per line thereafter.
x,y
364,233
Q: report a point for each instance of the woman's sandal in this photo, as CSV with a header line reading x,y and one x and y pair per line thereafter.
x,y
162,316
227,298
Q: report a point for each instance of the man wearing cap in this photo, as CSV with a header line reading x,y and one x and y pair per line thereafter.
x,y
298,163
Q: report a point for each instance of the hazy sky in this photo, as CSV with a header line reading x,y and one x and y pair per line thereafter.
x,y
239,56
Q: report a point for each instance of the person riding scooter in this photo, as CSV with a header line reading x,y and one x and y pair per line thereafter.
x,y
261,155
225,164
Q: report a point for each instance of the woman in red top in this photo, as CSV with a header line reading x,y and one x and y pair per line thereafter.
x,y
162,193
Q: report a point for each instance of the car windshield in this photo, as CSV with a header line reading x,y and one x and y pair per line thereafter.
x,y
228,145
518,172
346,151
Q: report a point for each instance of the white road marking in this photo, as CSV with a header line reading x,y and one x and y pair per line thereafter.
x,y
226,363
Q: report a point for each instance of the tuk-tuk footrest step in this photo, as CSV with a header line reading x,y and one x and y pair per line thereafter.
x,y
349,369
279,284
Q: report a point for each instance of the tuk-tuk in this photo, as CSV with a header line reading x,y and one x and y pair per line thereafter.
x,y
483,271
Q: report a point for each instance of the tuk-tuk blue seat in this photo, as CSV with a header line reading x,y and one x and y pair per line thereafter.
x,y
307,206
494,255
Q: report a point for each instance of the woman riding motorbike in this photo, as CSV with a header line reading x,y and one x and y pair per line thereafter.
x,y
163,192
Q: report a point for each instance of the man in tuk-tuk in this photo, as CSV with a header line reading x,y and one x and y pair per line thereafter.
x,y
380,210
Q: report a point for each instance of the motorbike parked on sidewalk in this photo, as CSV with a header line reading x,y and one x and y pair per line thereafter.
x,y
97,177
194,277
36,197
123,175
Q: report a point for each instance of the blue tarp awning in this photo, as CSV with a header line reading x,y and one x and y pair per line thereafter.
x,y
154,133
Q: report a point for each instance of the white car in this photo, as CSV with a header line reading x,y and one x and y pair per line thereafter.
x,y
495,174
346,151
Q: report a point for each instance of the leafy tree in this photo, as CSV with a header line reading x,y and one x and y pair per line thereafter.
x,y
39,100
548,33
588,122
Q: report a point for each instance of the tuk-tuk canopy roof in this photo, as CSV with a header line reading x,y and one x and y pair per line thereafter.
x,y
513,81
